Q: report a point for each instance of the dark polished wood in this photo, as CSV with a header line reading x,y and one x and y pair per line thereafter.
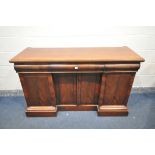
x,y
88,88
65,88
39,93
75,79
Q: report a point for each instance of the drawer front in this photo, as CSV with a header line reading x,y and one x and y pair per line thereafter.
x,y
59,68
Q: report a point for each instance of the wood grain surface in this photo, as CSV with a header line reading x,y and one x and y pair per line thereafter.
x,y
98,54
77,79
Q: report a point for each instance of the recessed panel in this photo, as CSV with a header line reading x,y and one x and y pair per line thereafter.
x,y
88,88
65,88
117,88
38,89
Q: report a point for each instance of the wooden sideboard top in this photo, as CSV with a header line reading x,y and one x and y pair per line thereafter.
x,y
98,54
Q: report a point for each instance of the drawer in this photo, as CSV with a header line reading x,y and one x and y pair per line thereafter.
x,y
59,68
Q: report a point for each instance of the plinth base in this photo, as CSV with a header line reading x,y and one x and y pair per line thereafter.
x,y
41,111
112,110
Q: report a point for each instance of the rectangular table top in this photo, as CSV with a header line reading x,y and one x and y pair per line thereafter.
x,y
95,54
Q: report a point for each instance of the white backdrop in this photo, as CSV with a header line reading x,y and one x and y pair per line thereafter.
x,y
15,39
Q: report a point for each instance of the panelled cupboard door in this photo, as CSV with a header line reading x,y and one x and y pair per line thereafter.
x,y
77,88
65,88
88,88
116,88
38,89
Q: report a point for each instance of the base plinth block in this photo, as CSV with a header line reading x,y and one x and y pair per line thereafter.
x,y
41,111
112,110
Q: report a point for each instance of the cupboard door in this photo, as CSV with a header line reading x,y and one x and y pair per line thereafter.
x,y
38,89
116,88
66,88
77,88
88,88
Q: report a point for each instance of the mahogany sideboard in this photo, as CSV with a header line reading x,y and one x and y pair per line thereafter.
x,y
75,79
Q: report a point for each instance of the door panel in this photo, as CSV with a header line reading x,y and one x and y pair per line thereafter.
x,y
117,87
38,89
88,88
66,88
77,88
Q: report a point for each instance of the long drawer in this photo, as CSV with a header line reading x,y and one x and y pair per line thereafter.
x,y
60,68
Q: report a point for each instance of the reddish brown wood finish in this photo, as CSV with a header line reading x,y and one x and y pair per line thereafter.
x,y
116,89
77,107
88,88
39,91
77,88
77,79
96,54
66,88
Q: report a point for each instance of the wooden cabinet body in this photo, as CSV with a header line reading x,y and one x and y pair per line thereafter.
x,y
56,79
